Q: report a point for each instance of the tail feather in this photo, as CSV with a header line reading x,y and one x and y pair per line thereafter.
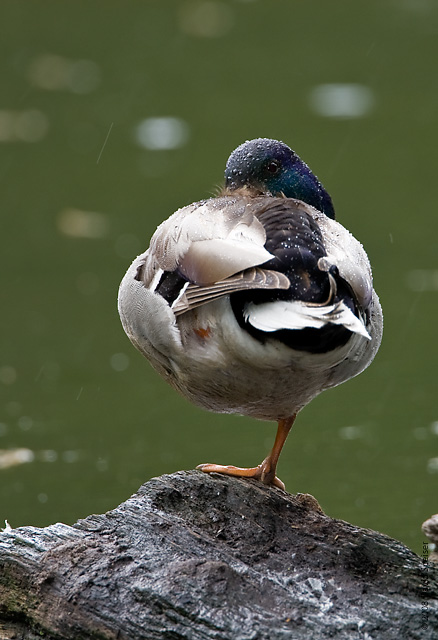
x,y
284,314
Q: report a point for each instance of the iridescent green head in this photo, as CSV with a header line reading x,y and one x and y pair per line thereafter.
x,y
270,166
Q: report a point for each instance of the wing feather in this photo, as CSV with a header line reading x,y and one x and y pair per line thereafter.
x,y
281,314
255,278
211,240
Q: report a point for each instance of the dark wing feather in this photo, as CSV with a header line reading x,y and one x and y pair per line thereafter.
x,y
255,278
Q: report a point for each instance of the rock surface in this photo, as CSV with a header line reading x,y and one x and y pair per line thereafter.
x,y
192,556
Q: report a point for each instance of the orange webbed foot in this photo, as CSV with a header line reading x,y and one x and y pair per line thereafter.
x,y
265,472
260,473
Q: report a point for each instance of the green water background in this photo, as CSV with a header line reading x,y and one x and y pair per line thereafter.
x,y
77,80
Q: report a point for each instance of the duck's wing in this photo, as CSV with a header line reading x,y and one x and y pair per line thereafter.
x,y
208,250
211,240
349,256
280,315
249,279
318,274
329,273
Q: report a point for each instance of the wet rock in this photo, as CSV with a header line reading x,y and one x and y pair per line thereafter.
x,y
205,556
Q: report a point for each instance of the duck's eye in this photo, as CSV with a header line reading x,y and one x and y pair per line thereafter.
x,y
273,166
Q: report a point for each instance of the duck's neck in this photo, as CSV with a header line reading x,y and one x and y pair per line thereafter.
x,y
303,185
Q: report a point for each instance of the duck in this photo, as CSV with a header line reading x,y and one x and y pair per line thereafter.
x,y
256,300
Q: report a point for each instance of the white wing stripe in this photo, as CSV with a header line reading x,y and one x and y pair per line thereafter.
x,y
274,316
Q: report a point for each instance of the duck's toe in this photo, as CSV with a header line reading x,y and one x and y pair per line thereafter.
x,y
258,473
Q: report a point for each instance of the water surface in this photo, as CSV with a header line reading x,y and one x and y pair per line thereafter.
x,y
113,116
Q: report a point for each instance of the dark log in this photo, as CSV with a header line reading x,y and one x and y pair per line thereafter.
x,y
197,556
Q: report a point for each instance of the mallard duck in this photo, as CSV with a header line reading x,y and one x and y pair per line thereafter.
x,y
254,301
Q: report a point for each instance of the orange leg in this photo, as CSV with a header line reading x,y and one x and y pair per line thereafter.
x,y
265,472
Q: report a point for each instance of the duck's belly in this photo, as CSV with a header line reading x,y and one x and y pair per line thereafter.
x,y
224,369
267,395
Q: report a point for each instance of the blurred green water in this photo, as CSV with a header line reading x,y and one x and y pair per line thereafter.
x,y
80,197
